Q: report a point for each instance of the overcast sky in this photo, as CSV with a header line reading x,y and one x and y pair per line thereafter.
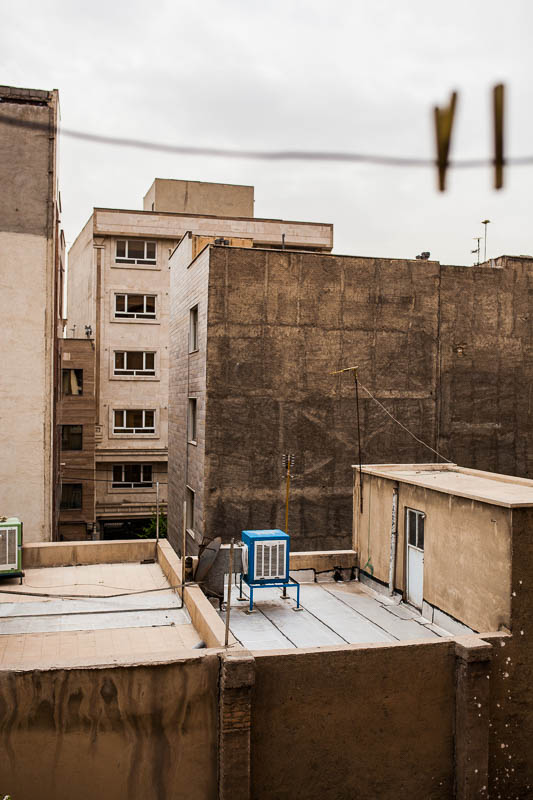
x,y
359,75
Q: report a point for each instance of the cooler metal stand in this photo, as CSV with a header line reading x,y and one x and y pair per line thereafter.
x,y
257,585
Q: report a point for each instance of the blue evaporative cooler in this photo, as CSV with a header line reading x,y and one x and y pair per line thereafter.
x,y
265,562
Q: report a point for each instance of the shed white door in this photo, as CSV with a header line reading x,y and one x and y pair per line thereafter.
x,y
415,556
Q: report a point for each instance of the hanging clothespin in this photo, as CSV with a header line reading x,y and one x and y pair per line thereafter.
x,y
443,132
498,97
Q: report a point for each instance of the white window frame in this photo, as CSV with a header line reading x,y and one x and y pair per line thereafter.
x,y
141,261
123,484
193,329
133,373
140,315
124,430
192,420
420,516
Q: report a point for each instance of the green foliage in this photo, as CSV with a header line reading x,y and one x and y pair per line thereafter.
x,y
150,531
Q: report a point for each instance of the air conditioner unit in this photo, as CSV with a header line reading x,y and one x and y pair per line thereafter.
x,y
265,562
266,555
11,548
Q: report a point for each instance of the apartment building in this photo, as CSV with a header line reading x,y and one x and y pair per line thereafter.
x,y
118,292
32,268
433,348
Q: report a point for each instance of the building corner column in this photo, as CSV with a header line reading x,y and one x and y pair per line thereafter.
x,y
237,678
472,715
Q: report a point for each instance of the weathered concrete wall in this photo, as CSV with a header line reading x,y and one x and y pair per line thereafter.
x,y
197,197
189,288
511,704
354,722
485,366
279,323
28,279
135,732
467,549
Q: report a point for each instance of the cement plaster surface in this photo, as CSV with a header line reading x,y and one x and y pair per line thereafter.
x,y
98,628
332,614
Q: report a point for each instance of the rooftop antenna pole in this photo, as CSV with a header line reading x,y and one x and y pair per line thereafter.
x,y
478,240
485,222
356,382
228,601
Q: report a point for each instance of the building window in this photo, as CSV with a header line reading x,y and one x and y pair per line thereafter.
x,y
71,496
415,528
134,362
132,476
72,437
193,329
138,420
72,382
189,501
135,306
135,251
191,420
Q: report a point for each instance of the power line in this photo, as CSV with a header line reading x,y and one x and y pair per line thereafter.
x,y
397,421
264,155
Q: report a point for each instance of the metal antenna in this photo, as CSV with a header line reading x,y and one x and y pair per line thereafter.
x,y
356,382
478,240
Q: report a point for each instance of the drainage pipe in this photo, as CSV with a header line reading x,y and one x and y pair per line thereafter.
x,y
393,540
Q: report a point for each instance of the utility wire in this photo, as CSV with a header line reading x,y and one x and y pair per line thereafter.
x,y
265,155
59,596
397,421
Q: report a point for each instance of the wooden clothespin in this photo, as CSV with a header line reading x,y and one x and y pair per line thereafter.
x,y
443,131
498,97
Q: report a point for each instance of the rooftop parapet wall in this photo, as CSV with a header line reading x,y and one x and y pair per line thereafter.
x,y
114,222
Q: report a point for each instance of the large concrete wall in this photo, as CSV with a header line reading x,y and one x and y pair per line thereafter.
x,y
486,373
467,549
279,323
28,284
135,732
354,722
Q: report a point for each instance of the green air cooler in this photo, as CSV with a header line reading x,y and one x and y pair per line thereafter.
x,y
11,548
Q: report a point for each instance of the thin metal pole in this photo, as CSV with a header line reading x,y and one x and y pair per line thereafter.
x,y
183,545
157,511
228,601
288,486
358,440
485,222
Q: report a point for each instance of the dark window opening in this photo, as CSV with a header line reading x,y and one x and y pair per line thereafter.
x,y
72,437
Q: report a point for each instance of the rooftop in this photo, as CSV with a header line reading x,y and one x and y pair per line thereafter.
x,y
485,487
332,614
108,613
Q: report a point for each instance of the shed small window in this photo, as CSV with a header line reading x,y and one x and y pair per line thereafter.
x,y
415,528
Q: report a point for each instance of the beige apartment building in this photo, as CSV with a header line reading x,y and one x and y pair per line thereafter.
x,y
118,294
31,268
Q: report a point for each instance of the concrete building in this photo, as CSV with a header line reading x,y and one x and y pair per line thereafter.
x,y
32,268
358,695
118,288
444,349
76,413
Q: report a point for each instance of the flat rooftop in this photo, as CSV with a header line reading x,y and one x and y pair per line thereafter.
x,y
91,615
485,487
332,614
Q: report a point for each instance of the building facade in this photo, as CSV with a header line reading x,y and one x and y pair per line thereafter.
x,y
32,269
118,292
444,349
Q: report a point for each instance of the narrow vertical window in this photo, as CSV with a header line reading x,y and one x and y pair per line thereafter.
x,y
191,420
189,498
193,329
